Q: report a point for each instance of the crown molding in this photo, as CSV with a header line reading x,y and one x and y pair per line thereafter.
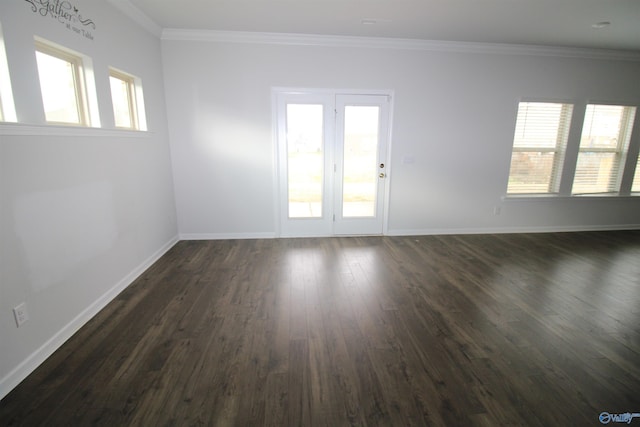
x,y
138,16
175,34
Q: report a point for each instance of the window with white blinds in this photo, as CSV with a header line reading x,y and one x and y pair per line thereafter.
x,y
606,133
539,144
635,186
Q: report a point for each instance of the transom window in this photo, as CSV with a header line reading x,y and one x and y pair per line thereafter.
x,y
7,107
603,147
123,96
539,144
62,85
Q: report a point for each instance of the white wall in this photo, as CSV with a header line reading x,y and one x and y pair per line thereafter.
x,y
454,114
83,211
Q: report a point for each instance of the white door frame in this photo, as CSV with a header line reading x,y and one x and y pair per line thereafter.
x,y
280,93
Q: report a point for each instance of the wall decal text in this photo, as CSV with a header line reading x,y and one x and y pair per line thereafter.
x,y
65,13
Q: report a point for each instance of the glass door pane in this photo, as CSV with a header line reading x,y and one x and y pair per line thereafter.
x,y
305,160
360,174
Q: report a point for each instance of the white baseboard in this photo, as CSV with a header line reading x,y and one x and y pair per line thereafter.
x,y
425,231
18,374
227,236
510,230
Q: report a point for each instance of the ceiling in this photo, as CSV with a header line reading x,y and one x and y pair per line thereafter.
x,y
568,23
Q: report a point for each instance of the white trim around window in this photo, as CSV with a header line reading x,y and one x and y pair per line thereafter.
x,y
67,85
572,149
604,144
127,100
539,144
7,106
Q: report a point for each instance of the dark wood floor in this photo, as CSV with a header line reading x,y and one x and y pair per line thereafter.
x,y
495,330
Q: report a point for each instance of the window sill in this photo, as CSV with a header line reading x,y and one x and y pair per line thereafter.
x,y
20,129
536,197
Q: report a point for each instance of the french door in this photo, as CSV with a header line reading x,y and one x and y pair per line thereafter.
x,y
332,161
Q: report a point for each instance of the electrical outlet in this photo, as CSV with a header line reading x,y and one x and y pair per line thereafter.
x,y
21,315
497,210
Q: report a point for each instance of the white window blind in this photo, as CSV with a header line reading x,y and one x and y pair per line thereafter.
x,y
539,144
603,145
635,187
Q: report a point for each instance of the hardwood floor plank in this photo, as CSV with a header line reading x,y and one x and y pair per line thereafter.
x,y
299,389
276,400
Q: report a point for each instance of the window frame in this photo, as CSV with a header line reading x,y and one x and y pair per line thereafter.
x,y
7,104
132,101
559,150
635,177
79,80
620,152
